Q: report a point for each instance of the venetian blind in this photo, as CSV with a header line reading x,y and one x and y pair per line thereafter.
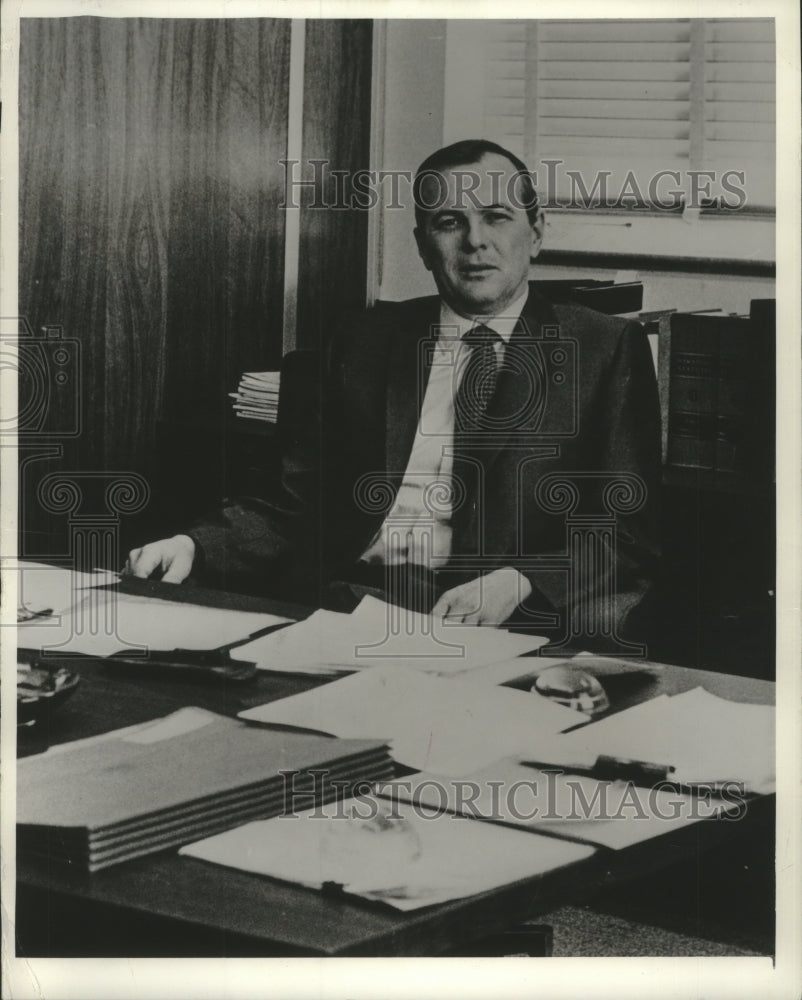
x,y
634,97
739,103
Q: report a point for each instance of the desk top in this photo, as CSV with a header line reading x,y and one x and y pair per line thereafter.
x,y
231,912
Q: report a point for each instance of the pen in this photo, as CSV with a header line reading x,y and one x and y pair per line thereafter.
x,y
645,774
609,768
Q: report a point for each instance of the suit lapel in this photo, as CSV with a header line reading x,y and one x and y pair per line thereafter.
x,y
411,340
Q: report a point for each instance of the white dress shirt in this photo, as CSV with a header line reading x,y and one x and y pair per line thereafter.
x,y
418,527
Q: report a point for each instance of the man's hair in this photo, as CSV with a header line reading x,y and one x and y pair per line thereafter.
x,y
462,154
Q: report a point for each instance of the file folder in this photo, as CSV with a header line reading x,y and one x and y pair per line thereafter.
x,y
105,802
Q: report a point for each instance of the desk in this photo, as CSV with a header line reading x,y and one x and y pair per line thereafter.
x,y
166,905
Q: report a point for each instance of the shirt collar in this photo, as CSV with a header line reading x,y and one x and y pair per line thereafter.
x,y
502,325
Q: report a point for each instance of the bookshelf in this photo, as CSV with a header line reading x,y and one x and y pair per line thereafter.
x,y
716,382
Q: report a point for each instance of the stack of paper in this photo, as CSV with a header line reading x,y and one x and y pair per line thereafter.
x,y
188,775
368,849
443,725
257,396
105,622
377,634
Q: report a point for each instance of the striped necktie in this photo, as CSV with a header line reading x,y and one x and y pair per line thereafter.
x,y
478,379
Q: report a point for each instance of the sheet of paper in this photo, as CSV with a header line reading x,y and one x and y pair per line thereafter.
x,y
610,814
103,622
41,587
378,634
303,648
432,723
395,856
706,738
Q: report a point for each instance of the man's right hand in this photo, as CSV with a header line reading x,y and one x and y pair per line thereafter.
x,y
174,556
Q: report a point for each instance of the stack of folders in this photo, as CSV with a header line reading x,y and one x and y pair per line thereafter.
x,y
257,396
189,775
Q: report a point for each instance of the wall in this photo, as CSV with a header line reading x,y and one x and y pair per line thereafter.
x,y
413,128
336,128
150,228
152,232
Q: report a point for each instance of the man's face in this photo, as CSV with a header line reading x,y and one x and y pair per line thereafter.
x,y
478,241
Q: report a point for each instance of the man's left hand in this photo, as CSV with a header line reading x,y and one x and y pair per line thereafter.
x,y
487,600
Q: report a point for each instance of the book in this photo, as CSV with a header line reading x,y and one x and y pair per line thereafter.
x,y
257,396
720,388
191,774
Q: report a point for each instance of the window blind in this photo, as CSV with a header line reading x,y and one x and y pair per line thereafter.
x,y
629,99
739,103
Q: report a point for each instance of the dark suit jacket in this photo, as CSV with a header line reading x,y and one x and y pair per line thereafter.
x,y
575,413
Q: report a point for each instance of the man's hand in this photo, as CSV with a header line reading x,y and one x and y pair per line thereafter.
x,y
173,555
487,600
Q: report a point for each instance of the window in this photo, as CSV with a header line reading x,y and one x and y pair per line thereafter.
x,y
669,120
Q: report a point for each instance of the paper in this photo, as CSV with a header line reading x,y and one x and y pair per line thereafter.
x,y
305,647
368,848
104,622
378,634
432,723
704,737
53,589
611,814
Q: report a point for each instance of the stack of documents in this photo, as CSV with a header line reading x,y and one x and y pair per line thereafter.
x,y
400,858
431,723
378,634
189,775
257,396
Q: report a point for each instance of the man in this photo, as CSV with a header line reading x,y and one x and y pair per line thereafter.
x,y
451,428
